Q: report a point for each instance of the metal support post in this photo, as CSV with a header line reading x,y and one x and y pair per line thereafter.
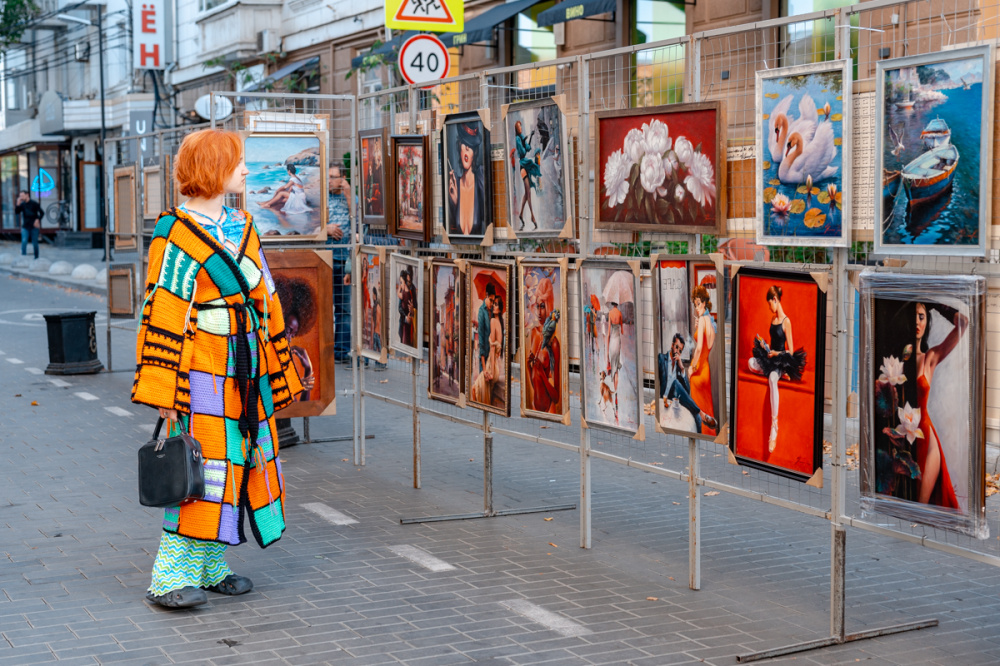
x,y
414,371
306,439
694,518
584,226
357,375
838,596
487,466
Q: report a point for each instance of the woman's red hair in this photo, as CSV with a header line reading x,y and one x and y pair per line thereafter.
x,y
205,161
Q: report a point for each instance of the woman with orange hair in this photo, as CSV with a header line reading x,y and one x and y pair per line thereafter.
x,y
212,356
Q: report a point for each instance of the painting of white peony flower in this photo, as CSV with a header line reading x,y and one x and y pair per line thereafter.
x,y
659,168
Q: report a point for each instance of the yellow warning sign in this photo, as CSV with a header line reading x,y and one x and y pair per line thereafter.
x,y
425,15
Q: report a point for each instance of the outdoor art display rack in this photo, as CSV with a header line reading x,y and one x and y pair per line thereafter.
x,y
713,65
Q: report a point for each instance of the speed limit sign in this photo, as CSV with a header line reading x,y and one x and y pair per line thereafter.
x,y
423,58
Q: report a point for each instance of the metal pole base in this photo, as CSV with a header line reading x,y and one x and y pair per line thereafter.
x,y
287,437
485,514
835,640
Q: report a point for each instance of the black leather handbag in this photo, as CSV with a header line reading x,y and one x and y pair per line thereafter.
x,y
171,470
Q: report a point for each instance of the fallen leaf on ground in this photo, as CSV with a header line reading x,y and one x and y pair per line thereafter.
x,y
670,577
34,403
711,493
677,503
17,395
553,545
652,598
471,459
547,519
383,381
746,473
343,460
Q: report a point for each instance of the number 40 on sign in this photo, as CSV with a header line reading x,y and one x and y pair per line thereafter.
x,y
423,58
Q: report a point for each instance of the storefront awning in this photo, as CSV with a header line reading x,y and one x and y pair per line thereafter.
x,y
575,9
480,28
278,75
387,48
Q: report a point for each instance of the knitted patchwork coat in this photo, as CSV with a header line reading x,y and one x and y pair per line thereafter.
x,y
212,345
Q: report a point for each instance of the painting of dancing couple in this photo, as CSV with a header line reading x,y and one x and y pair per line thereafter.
x,y
446,379
804,155
922,412
406,317
544,347
778,358
609,294
286,187
489,329
689,341
538,171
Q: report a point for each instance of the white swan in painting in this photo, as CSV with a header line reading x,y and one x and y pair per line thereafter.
x,y
782,126
809,159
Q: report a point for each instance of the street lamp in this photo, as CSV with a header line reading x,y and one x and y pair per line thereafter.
x,y
104,130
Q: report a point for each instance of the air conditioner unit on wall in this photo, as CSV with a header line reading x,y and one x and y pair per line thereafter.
x,y
268,41
81,51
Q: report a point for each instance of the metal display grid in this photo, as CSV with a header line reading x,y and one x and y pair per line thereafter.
x,y
713,65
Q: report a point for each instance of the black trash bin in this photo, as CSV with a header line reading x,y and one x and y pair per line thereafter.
x,y
72,343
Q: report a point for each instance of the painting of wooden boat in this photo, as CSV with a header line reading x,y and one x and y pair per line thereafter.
x,y
890,183
931,174
937,133
905,103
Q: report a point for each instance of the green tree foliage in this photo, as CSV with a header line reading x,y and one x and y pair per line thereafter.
x,y
14,18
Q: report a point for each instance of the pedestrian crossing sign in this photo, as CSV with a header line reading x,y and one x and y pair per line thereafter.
x,y
425,15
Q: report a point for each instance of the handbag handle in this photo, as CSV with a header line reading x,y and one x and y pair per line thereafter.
x,y
159,425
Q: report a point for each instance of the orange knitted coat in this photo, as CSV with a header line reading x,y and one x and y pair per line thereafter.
x,y
212,345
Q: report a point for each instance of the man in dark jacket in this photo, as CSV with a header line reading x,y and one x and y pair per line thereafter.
x,y
31,221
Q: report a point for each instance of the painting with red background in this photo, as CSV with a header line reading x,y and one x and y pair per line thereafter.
x,y
698,127
798,449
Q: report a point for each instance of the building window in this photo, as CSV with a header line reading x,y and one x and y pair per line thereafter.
x,y
9,186
371,79
205,5
659,72
813,41
534,44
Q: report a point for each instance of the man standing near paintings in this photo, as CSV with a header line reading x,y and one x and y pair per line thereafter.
x,y
483,325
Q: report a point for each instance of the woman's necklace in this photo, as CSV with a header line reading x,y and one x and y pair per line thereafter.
x,y
217,225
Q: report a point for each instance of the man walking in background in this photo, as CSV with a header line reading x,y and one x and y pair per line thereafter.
x,y
31,221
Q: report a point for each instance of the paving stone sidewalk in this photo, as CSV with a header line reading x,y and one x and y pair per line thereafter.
x,y
347,584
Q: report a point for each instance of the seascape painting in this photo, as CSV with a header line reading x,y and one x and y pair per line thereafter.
x,y
935,129
537,169
803,155
923,397
661,168
446,345
688,347
286,187
544,348
610,341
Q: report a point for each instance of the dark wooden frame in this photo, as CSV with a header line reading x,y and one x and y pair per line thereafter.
x,y
315,260
819,361
432,343
391,196
456,118
719,108
383,332
384,219
508,269
121,271
717,359
562,304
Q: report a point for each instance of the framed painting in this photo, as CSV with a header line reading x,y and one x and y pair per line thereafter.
x,y
689,339
467,184
662,168
152,192
538,166
446,379
406,328
410,195
303,280
934,151
543,320
923,380
374,324
488,324
121,291
124,184
285,190
804,155
776,372
374,146
611,344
